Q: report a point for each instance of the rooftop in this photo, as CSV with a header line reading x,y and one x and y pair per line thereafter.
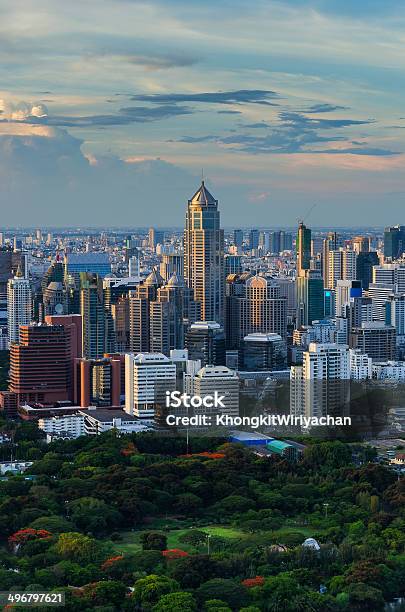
x,y
203,197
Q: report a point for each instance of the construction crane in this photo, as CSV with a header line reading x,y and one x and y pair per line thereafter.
x,y
305,217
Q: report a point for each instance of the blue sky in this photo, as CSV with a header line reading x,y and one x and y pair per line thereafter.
x,y
111,109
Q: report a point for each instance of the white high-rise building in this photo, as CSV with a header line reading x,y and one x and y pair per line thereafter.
x,y
360,365
19,305
380,294
147,378
321,385
215,379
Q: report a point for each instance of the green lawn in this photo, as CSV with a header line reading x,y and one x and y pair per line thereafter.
x,y
130,542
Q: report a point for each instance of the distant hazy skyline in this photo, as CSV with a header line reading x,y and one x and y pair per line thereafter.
x,y
110,110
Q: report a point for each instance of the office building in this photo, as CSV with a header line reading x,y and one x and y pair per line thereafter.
x,y
205,341
344,290
147,378
375,339
332,242
329,301
380,293
264,352
303,248
365,263
19,305
341,266
233,264
253,304
94,263
395,312
253,239
97,382
394,242
310,297
172,263
155,237
39,364
211,380
238,238
166,317
204,254
93,316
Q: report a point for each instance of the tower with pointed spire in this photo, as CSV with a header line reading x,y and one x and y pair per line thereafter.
x,y
204,254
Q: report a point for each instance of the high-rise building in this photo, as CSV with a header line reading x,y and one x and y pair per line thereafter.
x,y
39,364
95,263
238,238
253,304
310,297
264,352
331,243
395,312
148,376
156,237
205,341
93,316
380,293
341,266
321,386
360,365
253,239
365,263
275,242
394,242
215,379
288,290
166,317
204,254
97,382
233,264
303,247
344,290
171,264
375,339
361,244
19,305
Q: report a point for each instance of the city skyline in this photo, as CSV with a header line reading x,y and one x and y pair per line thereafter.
x,y
110,112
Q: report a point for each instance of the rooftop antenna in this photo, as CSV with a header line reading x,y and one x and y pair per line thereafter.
x,y
202,176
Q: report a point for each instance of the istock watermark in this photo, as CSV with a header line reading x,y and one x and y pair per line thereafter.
x,y
175,399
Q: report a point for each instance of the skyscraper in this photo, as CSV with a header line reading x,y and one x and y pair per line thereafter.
x,y
303,246
341,266
93,316
204,254
253,239
39,364
205,341
254,304
394,241
321,385
238,238
19,305
147,378
310,297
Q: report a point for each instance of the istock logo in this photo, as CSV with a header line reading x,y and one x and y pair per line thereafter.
x,y
175,399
